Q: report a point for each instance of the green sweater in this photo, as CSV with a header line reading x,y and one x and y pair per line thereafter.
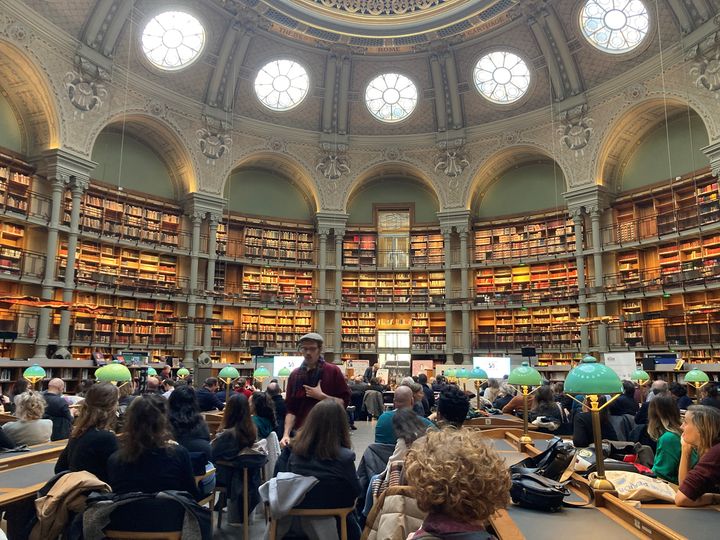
x,y
667,457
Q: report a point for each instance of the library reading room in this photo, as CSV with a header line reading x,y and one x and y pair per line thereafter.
x,y
481,237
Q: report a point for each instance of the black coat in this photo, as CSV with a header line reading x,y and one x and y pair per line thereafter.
x,y
280,412
57,410
208,401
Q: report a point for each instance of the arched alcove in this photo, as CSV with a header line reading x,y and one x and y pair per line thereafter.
x,y
391,190
129,162
255,191
11,136
683,136
524,189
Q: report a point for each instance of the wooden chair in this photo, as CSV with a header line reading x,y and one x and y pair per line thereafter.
x,y
340,513
210,499
246,496
141,535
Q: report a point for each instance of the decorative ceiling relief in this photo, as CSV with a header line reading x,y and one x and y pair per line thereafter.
x,y
333,162
706,68
576,129
214,140
452,161
84,93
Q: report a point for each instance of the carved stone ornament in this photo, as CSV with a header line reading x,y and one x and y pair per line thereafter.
x,y
333,165
392,154
576,129
452,161
17,32
85,94
277,145
635,92
214,140
706,68
156,108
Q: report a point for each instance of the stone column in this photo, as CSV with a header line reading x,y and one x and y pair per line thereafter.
x,y
449,336
464,264
595,215
196,218
322,263
78,187
213,220
577,217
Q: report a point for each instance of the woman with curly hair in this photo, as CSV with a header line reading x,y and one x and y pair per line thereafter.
x,y
149,460
460,480
91,441
30,427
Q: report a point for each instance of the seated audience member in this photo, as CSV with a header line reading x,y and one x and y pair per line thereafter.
x,y
517,403
322,449
561,397
188,426
165,373
57,410
460,481
148,459
152,386
545,409
664,427
207,396
429,394
19,387
582,426
5,441
492,390
439,384
92,442
700,485
710,396
419,401
376,385
263,414
403,398
238,429
453,407
679,393
30,428
273,390
505,395
168,385
656,389
625,403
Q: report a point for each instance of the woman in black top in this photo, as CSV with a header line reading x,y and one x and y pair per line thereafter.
x,y
91,441
148,459
583,430
238,429
625,404
188,426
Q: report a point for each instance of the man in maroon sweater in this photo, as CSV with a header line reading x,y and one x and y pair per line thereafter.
x,y
313,381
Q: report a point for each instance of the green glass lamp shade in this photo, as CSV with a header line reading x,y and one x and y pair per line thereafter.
x,y
525,376
152,372
592,378
695,376
228,372
462,374
284,372
450,373
261,373
639,376
479,374
113,373
34,373
183,372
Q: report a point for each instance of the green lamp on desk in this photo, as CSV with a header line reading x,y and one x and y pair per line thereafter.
x,y
697,378
463,375
114,373
33,374
152,372
284,375
641,378
261,374
183,373
450,375
526,379
227,375
478,376
593,380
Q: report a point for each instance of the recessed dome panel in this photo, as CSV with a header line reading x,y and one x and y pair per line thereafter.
x,y
173,40
614,26
281,84
391,97
501,77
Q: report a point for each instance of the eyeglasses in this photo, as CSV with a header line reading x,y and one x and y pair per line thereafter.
x,y
308,349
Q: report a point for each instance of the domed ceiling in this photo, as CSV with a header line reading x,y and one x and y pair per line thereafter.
x,y
378,26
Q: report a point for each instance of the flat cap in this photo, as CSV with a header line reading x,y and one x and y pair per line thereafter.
x,y
314,336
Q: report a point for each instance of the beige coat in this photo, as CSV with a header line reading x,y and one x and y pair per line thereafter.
x,y
394,516
67,495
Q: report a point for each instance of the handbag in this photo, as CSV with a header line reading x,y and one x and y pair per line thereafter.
x,y
556,462
531,490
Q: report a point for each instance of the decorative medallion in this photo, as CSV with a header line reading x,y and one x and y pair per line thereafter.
x,y
452,161
707,64
214,140
333,165
85,94
576,129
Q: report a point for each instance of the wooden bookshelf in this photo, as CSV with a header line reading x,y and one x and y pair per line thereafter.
x,y
12,239
360,249
15,184
673,207
426,249
112,213
543,328
387,288
553,235
428,332
266,284
107,265
527,283
274,329
241,238
359,331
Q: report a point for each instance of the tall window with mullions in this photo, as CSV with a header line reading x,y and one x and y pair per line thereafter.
x,y
394,238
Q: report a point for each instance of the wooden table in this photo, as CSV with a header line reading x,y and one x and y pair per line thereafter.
x,y
24,481
496,421
34,454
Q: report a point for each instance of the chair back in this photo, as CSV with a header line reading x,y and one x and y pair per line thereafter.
x,y
338,513
156,519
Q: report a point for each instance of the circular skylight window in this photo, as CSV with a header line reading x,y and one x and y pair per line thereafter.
x,y
391,97
501,77
614,26
172,40
281,84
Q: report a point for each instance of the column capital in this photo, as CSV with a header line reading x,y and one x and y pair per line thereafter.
x,y
331,221
79,185
460,220
588,198
65,166
214,218
204,204
712,151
